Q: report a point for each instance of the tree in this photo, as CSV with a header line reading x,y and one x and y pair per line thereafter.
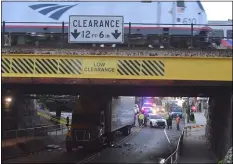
x,y
167,107
186,108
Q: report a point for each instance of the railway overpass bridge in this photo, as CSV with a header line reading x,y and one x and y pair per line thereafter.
x,y
164,74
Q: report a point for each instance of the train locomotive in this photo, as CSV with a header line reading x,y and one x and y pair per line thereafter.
x,y
146,23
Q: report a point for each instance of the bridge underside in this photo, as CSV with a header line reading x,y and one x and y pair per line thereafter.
x,y
114,87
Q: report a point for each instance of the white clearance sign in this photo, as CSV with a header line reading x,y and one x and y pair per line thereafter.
x,y
96,29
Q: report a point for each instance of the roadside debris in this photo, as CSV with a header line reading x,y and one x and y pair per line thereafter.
x,y
52,147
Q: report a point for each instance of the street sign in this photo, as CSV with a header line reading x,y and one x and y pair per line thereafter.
x,y
96,29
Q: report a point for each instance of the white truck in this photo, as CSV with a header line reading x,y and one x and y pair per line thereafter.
x,y
93,123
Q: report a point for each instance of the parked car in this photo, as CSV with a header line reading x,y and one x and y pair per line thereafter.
x,y
176,111
156,121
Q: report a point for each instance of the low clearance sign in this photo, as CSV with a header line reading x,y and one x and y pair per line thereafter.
x,y
99,67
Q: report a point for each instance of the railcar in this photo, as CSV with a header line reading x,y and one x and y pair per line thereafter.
x,y
151,23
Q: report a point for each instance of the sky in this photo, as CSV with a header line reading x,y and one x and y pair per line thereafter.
x,y
218,10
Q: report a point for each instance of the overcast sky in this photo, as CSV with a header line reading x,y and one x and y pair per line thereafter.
x,y
218,10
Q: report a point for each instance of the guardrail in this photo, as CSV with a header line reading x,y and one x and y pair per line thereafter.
x,y
132,31
13,137
173,158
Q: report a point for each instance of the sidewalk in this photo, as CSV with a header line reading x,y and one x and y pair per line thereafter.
x,y
195,148
199,118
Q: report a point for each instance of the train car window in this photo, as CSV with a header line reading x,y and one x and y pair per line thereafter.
x,y
218,33
229,34
180,4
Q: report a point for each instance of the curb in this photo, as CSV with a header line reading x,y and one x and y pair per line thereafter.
x,y
195,126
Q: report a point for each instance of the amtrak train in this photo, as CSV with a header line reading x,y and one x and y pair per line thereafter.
x,y
152,23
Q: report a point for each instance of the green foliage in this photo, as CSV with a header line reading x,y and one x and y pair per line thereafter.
x,y
184,105
167,107
220,162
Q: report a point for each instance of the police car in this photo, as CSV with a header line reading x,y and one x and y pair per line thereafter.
x,y
156,121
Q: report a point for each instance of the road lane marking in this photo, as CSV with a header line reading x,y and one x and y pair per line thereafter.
x,y
119,142
166,136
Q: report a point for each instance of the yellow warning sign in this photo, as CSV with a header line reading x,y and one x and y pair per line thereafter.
x,y
97,67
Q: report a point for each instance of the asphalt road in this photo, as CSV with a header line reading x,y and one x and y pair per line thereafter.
x,y
173,134
147,146
143,146
59,155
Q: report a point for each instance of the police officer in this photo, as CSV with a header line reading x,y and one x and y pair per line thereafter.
x,y
141,118
135,116
169,122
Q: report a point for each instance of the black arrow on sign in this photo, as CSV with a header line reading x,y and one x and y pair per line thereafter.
x,y
116,34
75,34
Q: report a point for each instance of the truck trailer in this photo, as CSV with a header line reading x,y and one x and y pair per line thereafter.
x,y
97,118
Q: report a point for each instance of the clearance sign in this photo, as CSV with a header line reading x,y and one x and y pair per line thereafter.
x,y
99,67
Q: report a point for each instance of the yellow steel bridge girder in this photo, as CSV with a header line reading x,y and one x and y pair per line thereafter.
x,y
117,67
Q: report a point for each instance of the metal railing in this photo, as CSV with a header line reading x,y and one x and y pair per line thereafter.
x,y
174,157
132,31
13,137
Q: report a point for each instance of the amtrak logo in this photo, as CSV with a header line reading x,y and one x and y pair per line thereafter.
x,y
47,9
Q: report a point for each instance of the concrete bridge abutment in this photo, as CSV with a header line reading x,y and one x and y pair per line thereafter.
x,y
219,123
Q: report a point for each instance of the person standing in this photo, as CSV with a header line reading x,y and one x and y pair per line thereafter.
x,y
135,117
178,122
170,121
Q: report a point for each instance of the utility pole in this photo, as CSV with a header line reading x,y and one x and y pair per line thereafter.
x,y
188,110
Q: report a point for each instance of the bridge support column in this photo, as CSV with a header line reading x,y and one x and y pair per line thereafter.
x,y
18,111
58,115
219,123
